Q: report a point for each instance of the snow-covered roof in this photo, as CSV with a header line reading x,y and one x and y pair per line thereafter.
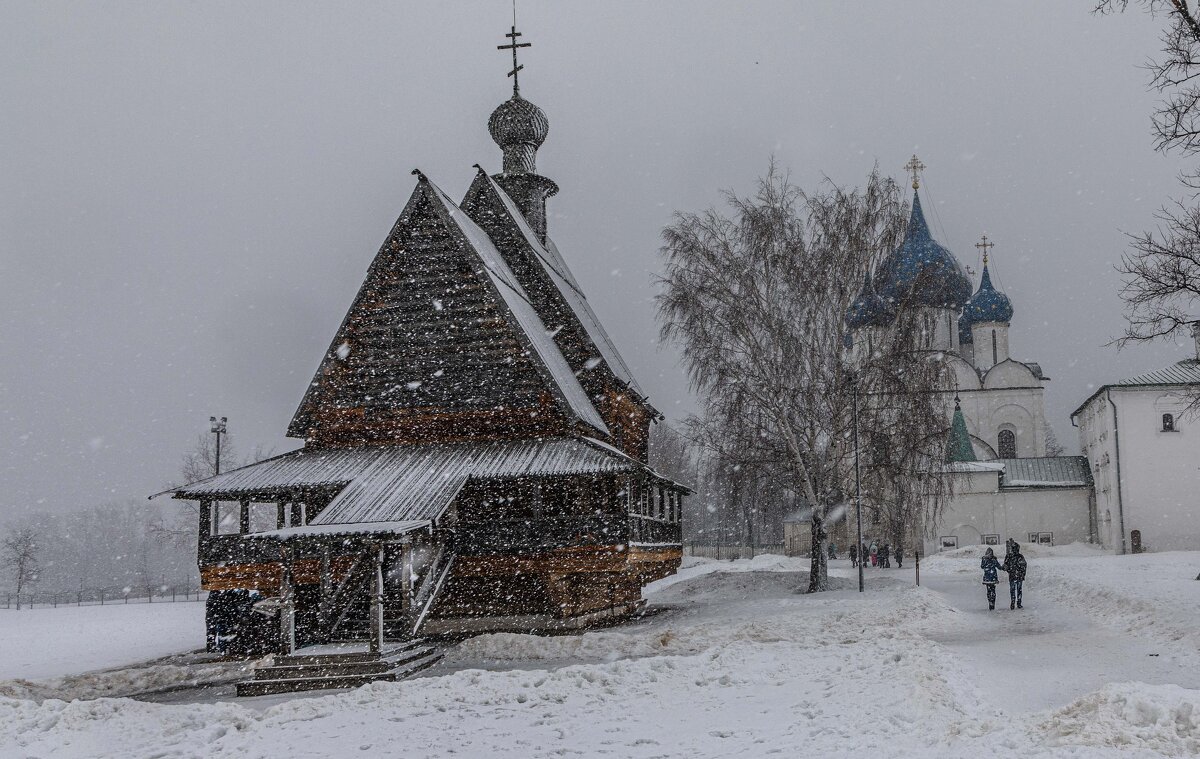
x,y
1181,373
364,528
564,281
522,309
407,482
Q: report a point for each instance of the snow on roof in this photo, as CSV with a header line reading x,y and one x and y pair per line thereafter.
x,y
522,309
1186,372
363,528
404,483
556,266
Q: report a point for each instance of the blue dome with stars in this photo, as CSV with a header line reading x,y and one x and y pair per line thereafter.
x,y
987,305
921,271
869,309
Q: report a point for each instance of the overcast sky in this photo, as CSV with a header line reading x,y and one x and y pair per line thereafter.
x,y
190,193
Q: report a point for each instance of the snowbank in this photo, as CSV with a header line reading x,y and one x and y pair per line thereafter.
x,y
1161,718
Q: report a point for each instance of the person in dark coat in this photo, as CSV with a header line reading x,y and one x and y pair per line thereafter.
x,y
991,568
853,555
1015,565
899,557
885,554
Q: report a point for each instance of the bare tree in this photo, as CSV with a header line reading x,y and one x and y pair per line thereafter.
x,y
19,555
757,301
1161,270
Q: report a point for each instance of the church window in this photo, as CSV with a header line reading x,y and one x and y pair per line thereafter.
x,y
1007,440
995,353
1168,422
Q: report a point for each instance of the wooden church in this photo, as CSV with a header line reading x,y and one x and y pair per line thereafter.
x,y
475,447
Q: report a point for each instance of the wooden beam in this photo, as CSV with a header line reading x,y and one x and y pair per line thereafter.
x,y
244,517
287,604
206,520
280,514
377,600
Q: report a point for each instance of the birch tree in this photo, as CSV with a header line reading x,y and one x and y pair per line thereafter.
x,y
757,299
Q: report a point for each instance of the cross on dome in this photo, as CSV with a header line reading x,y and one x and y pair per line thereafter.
x,y
513,45
915,167
985,246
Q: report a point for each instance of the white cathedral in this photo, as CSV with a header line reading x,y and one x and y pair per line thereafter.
x,y
1005,484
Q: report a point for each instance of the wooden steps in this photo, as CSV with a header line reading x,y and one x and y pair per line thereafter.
x,y
304,672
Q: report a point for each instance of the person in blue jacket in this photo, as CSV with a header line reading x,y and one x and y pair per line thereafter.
x,y
990,566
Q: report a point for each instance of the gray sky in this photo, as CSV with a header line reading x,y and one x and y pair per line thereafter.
x,y
190,193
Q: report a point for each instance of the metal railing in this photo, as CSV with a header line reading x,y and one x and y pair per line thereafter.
x,y
730,551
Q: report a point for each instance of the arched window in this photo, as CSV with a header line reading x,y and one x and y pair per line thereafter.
x,y
1168,421
1007,440
995,353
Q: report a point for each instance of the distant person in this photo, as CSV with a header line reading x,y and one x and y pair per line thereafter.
x,y
853,555
862,554
874,554
991,567
1015,565
885,556
899,557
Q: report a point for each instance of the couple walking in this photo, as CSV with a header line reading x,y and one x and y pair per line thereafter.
x,y
1014,565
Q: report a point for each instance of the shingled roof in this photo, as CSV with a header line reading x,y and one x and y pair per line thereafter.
x,y
441,340
569,301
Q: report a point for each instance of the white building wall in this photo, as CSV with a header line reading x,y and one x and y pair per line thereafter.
x,y
979,508
1019,409
1159,485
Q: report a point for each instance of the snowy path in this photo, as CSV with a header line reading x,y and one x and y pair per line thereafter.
x,y
1047,654
739,664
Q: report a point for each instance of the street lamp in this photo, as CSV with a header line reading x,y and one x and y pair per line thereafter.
x,y
217,428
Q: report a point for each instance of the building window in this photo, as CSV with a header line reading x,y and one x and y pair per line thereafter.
x,y
1168,421
991,540
995,353
949,542
1007,440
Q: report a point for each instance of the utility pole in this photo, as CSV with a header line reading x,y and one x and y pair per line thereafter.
x,y
218,429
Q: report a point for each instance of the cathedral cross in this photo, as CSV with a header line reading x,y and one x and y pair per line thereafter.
x,y
985,246
915,167
513,45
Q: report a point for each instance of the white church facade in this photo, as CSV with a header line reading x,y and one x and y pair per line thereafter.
x,y
1004,483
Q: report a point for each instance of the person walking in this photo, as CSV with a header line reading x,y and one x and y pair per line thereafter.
x,y
874,554
1015,565
899,556
832,550
885,554
853,555
991,567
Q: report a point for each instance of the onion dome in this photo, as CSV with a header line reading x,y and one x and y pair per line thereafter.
x,y
987,304
921,271
519,127
869,309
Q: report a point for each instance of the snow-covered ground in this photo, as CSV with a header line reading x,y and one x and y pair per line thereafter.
x,y
1102,662
42,643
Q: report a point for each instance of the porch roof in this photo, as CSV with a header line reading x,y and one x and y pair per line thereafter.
x,y
404,483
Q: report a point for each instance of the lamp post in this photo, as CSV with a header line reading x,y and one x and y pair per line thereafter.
x,y
217,428
858,490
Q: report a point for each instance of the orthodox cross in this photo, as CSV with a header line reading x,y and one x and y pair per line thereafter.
x,y
915,167
513,45
985,246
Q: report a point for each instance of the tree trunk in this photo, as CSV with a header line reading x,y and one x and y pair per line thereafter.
x,y
818,578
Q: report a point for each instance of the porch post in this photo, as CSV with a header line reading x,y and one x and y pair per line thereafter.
x,y
406,569
280,512
325,577
205,519
287,602
296,520
377,600
244,518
